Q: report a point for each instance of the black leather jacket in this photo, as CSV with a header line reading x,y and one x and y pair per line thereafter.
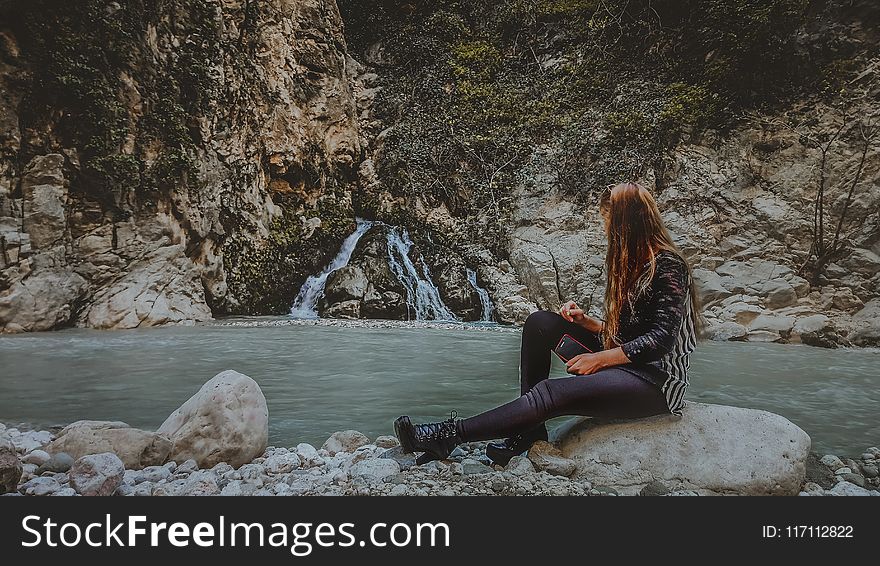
x,y
649,332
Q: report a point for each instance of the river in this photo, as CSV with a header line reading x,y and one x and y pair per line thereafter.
x,y
318,379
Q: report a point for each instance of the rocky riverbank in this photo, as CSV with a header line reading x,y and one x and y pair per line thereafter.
x,y
766,454
349,463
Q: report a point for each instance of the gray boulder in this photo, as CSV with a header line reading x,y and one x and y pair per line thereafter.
x,y
136,448
712,449
97,474
227,420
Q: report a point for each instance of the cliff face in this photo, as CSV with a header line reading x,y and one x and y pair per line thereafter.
x,y
169,162
160,161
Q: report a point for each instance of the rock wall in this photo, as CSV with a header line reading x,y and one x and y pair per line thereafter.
x,y
273,148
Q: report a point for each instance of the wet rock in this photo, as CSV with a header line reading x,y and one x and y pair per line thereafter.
x,y
227,420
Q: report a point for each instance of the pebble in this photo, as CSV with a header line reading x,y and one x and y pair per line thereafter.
x,y
36,457
60,462
832,461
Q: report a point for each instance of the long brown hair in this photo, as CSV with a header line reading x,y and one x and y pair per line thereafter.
x,y
636,234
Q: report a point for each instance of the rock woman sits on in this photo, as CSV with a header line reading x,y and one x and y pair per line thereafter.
x,y
639,359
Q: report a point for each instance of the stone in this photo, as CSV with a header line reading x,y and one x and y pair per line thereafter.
x,y
405,461
58,463
866,325
548,458
654,488
473,467
41,486
227,420
10,466
846,488
773,323
832,461
857,479
201,482
44,200
282,463
136,448
36,457
711,448
97,474
520,466
727,331
375,469
345,441
710,286
308,455
387,441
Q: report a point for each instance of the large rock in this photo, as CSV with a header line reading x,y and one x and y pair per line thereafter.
x,y
227,420
136,448
45,197
866,325
97,474
710,449
10,466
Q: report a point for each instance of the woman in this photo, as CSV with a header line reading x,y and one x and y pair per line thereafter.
x,y
640,353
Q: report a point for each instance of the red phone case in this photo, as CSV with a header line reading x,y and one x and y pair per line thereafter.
x,y
573,339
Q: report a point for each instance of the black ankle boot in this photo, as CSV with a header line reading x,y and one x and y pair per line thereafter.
x,y
436,440
501,452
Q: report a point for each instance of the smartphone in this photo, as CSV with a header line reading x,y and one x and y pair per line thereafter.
x,y
568,348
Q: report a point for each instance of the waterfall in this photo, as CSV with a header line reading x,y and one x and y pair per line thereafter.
x,y
304,306
423,298
484,296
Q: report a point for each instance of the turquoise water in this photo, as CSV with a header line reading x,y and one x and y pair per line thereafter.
x,y
320,379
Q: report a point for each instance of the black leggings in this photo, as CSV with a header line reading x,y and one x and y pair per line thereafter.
x,y
611,392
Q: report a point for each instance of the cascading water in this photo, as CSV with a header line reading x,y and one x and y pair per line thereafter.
x,y
306,302
423,298
484,296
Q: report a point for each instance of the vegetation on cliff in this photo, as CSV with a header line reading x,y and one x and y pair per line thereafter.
x,y
608,86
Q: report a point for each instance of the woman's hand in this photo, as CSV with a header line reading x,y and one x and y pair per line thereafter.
x,y
573,313
585,364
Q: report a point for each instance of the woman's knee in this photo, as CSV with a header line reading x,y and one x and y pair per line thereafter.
x,y
542,320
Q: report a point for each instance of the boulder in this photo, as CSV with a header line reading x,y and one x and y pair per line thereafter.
x,y
10,466
712,449
136,448
866,325
97,474
227,420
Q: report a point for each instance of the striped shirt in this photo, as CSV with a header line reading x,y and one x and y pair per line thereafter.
x,y
659,334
